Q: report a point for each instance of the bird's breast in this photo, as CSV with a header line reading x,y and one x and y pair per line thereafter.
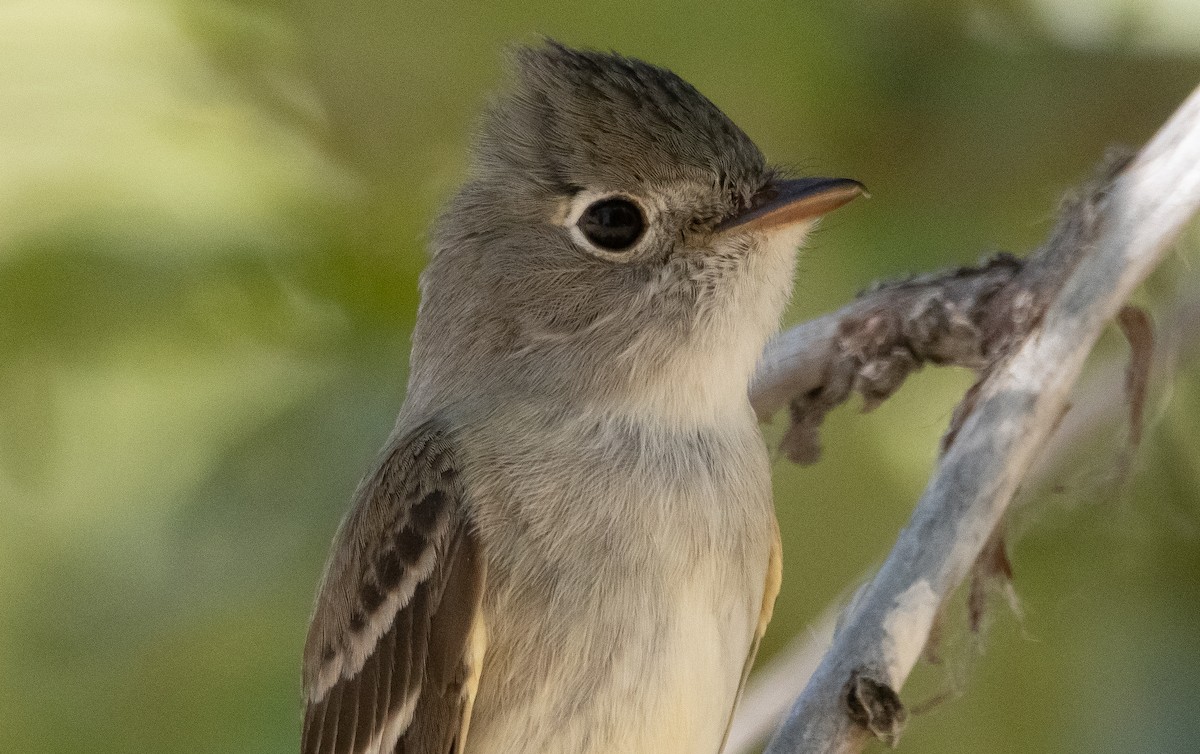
x,y
626,572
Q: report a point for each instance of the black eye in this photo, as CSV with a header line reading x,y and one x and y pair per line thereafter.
x,y
614,224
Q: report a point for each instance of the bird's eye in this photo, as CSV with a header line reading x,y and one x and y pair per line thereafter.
x,y
613,224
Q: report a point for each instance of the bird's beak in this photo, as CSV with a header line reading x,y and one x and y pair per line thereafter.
x,y
785,202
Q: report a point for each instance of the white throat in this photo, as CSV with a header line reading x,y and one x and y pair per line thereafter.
x,y
708,383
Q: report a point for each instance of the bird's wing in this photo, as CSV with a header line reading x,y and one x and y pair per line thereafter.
x,y
394,650
770,592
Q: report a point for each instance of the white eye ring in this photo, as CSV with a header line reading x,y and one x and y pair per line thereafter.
x,y
594,201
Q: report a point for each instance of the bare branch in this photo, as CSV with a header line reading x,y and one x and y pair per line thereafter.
x,y
1096,406
1029,335
871,345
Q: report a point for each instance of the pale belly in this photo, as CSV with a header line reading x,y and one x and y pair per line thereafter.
x,y
667,687
625,584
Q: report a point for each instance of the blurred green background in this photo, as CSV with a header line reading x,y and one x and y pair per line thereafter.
x,y
212,216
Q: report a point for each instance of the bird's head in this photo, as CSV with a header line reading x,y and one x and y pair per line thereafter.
x,y
620,242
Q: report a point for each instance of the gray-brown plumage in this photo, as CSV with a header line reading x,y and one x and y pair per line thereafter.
x,y
569,545
396,609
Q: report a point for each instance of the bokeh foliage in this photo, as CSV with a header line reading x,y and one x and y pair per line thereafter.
x,y
212,216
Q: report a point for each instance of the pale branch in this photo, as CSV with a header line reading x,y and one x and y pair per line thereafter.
x,y
967,317
1028,327
872,344
1097,405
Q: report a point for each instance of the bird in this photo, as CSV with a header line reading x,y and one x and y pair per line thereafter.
x,y
568,543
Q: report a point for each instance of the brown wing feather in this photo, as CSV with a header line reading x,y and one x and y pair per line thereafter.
x,y
392,657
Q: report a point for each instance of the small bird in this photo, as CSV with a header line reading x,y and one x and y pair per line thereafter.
x,y
569,543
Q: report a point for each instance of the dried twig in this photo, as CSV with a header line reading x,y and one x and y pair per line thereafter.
x,y
1098,404
1027,327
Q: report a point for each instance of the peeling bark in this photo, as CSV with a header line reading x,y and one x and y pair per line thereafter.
x,y
1026,327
